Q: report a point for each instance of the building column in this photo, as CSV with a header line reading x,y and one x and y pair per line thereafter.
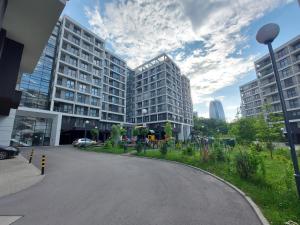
x,y
181,134
55,131
6,127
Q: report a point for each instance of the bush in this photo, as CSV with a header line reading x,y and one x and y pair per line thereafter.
x,y
164,148
247,164
139,147
178,146
108,144
258,147
218,153
189,150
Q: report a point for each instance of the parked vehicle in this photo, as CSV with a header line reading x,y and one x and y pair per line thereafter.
x,y
7,152
83,142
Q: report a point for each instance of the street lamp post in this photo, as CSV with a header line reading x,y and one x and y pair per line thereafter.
x,y
85,124
266,35
97,133
144,112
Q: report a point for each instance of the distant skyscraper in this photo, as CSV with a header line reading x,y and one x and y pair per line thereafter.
x,y
216,110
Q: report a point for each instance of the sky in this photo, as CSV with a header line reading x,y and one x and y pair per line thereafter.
x,y
212,41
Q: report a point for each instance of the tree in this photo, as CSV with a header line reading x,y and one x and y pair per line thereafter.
x,y
210,127
269,130
244,130
168,130
94,133
122,131
115,134
140,132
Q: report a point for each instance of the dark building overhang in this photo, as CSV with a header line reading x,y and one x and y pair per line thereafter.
x,y
25,27
9,69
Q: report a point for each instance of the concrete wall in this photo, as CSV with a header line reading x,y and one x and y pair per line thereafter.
x,y
6,127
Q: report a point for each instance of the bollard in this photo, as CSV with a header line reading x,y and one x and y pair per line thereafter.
x,y
31,156
43,164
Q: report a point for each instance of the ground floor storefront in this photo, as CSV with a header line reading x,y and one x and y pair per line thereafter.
x,y
35,127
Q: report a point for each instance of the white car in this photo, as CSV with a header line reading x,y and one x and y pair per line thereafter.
x,y
83,142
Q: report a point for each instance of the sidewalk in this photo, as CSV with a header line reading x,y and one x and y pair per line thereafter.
x,y
17,174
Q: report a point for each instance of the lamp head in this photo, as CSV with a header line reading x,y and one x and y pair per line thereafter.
x,y
144,111
267,33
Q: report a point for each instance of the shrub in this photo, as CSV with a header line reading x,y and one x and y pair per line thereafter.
x,y
164,148
284,152
189,150
218,153
139,147
258,147
247,164
108,144
178,146
115,134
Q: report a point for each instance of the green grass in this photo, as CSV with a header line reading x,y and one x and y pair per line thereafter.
x,y
278,203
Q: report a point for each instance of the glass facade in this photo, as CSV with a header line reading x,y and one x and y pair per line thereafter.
x,y
31,131
36,86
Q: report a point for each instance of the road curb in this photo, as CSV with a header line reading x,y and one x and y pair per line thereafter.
x,y
255,208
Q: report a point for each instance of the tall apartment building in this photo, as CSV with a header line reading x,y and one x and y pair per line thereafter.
x,y
263,90
161,93
251,99
77,80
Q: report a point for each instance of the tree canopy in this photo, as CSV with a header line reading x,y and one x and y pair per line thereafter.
x,y
210,127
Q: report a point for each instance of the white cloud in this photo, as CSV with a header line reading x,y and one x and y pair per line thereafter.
x,y
140,29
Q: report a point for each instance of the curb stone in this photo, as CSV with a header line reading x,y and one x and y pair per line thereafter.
x,y
255,208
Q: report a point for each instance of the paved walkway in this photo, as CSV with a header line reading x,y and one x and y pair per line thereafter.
x,y
86,188
17,174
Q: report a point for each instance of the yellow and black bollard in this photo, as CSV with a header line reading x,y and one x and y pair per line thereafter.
x,y
43,164
31,156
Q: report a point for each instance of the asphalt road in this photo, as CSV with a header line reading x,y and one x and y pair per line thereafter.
x,y
86,188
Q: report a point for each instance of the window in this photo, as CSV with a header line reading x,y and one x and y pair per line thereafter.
x,y
153,101
282,53
84,65
293,103
94,101
284,62
96,81
94,112
85,56
288,82
83,76
95,91
161,108
81,98
153,118
291,92
80,110
286,72
162,116
82,87
71,72
70,84
153,109
69,95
